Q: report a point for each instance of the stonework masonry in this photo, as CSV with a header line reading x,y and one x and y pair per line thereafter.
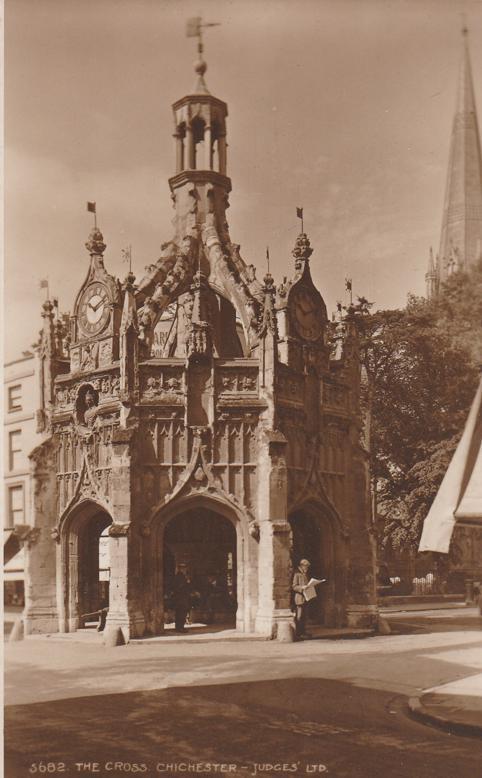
x,y
198,417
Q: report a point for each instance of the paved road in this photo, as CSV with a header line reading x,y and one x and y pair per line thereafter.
x,y
317,707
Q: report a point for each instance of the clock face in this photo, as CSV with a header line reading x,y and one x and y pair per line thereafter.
x,y
306,315
93,309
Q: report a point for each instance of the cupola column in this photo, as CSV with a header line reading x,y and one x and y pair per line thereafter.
x,y
208,143
222,146
190,148
179,151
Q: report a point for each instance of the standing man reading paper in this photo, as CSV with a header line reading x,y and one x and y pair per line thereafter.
x,y
300,581
304,589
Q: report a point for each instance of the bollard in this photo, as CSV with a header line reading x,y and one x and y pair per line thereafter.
x,y
113,636
383,627
285,632
17,632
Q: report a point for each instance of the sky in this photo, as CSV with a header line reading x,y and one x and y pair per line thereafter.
x,y
342,107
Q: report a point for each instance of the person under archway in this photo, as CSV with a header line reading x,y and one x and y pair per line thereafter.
x,y
181,597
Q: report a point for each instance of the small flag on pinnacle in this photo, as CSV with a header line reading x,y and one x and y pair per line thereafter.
x,y
193,27
91,207
299,213
348,284
44,284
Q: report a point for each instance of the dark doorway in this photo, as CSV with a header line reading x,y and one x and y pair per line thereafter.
x,y
307,544
205,542
94,565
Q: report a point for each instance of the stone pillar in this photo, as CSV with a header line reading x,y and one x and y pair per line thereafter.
x,y
190,151
125,541
362,609
274,560
40,614
208,162
179,152
125,606
222,146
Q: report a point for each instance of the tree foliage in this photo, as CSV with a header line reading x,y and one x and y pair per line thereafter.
x,y
422,370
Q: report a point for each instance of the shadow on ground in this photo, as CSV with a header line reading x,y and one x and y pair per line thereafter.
x,y
355,732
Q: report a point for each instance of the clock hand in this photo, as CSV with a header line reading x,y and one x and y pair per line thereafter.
x,y
102,300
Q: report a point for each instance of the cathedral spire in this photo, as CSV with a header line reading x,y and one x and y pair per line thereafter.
x,y
462,216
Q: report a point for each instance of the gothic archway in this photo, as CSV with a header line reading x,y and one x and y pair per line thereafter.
x,y
316,537
213,541
205,542
84,564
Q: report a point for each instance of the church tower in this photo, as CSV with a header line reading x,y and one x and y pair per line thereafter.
x,y
461,236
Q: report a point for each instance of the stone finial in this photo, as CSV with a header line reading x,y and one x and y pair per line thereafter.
x,y
268,283
129,282
268,322
200,68
95,244
302,250
129,310
47,310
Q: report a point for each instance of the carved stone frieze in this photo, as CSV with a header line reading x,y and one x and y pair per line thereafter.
x,y
290,387
334,396
106,386
232,381
162,385
105,353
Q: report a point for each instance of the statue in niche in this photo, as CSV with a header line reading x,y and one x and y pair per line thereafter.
x,y
89,355
90,411
86,409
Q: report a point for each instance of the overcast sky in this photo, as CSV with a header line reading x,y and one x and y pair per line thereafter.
x,y
343,107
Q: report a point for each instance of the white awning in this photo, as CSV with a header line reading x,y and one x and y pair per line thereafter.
x,y
14,575
470,507
459,499
13,570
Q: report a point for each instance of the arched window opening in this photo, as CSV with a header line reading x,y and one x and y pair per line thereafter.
x,y
198,127
180,136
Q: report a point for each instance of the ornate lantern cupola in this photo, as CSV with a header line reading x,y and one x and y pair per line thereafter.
x,y
200,185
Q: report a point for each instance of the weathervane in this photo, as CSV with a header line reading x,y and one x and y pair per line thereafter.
x,y
193,30
127,256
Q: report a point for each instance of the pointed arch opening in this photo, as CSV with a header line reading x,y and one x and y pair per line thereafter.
x,y
316,537
204,542
211,540
201,152
85,566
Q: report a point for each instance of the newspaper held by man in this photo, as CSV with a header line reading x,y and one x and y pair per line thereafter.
x,y
309,591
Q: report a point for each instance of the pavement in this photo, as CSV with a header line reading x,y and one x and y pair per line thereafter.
x,y
455,706
352,707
